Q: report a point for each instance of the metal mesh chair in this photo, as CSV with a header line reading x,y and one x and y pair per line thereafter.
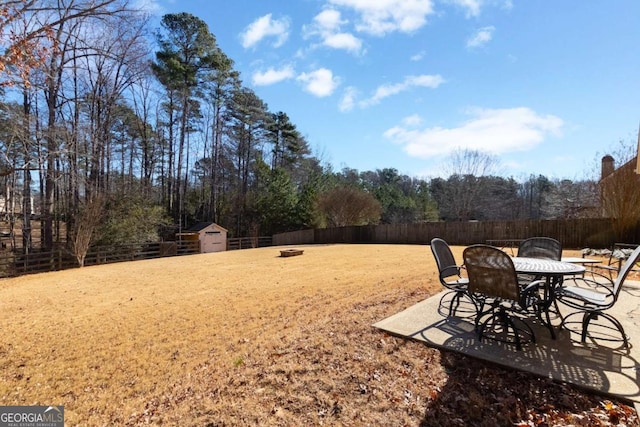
x,y
449,274
540,247
501,301
592,297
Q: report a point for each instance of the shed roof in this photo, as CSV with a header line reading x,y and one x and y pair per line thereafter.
x,y
202,225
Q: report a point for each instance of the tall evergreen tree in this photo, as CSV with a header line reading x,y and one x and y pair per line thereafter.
x,y
288,145
247,115
188,54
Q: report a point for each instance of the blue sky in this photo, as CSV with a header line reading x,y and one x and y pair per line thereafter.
x,y
547,86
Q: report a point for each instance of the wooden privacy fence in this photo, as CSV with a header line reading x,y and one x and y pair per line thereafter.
x,y
572,233
12,264
248,242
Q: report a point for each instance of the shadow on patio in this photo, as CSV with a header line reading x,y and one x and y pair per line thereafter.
x,y
603,367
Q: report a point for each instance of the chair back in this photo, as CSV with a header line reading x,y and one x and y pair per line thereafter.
x,y
491,272
445,260
624,271
540,247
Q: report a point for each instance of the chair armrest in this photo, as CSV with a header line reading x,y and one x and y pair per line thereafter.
x,y
529,295
590,282
536,284
579,290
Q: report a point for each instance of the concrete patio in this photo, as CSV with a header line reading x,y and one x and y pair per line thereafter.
x,y
600,366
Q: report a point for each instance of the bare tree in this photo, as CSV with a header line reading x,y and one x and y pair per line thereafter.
x,y
110,66
56,27
30,32
619,195
571,199
26,43
620,199
464,187
471,162
344,206
143,106
87,221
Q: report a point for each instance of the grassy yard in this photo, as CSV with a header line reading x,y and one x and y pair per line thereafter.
x,y
251,338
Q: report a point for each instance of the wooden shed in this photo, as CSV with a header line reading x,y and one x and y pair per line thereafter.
x,y
212,237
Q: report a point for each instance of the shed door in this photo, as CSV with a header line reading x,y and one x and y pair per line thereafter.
x,y
214,241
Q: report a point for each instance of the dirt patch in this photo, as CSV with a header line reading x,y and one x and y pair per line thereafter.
x,y
252,338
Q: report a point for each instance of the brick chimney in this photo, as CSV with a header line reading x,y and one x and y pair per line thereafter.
x,y
607,166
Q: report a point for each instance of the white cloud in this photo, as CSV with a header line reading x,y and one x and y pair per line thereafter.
x,y
265,27
271,76
425,80
152,7
320,82
418,56
384,91
413,120
326,25
495,131
473,8
348,99
481,37
344,41
379,17
328,20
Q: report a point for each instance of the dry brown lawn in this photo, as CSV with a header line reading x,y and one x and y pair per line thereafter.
x,y
251,338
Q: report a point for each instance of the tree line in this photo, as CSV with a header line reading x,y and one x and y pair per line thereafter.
x,y
116,131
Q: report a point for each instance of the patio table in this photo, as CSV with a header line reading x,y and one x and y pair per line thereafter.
x,y
579,260
587,262
553,272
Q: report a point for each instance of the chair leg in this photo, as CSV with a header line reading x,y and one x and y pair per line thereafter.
x,y
585,324
506,320
547,322
458,297
480,311
557,308
533,335
510,325
516,331
542,305
482,327
618,326
455,303
517,335
451,310
594,315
